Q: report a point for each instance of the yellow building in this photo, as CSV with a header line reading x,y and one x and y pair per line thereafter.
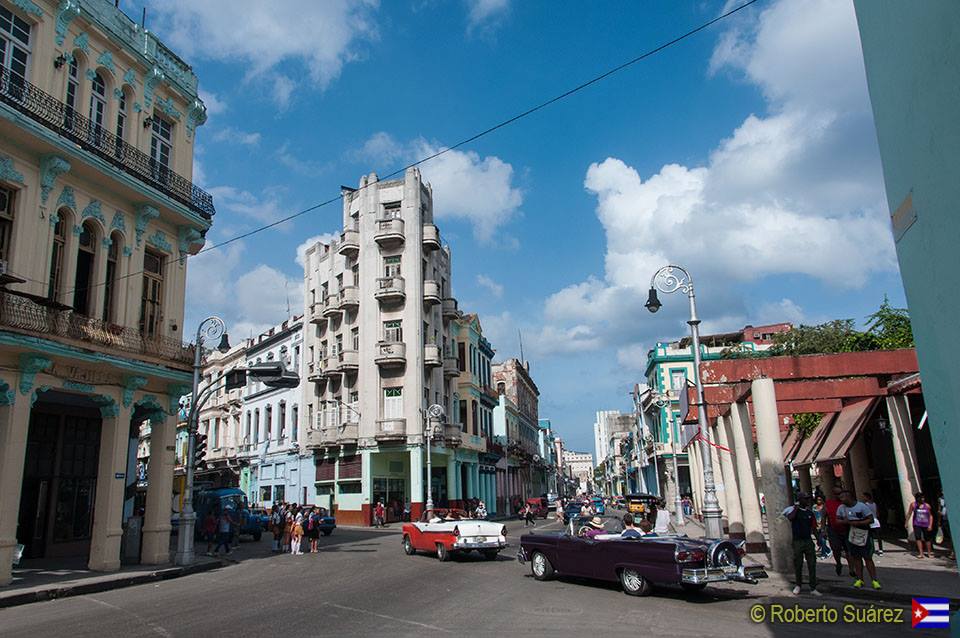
x,y
97,217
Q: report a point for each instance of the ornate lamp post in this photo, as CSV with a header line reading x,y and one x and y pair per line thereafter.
x,y
670,279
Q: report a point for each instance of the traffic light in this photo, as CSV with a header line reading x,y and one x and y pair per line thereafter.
x,y
199,449
236,379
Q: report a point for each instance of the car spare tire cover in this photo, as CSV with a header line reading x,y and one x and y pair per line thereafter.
x,y
723,553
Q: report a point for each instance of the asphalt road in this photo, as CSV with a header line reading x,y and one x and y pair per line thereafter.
x,y
362,584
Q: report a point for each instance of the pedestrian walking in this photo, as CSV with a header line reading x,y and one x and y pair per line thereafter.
x,y
313,529
276,525
803,524
528,516
836,531
662,523
857,516
687,505
287,529
379,514
223,533
922,518
209,531
875,528
820,512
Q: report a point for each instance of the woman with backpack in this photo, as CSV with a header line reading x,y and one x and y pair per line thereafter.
x,y
922,516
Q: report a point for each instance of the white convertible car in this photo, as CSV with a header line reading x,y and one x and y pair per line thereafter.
x,y
447,531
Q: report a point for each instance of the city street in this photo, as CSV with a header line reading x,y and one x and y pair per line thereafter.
x,y
363,584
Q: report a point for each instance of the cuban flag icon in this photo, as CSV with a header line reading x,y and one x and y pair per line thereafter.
x,y
931,613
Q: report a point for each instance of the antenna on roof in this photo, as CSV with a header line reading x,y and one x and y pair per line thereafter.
x,y
143,20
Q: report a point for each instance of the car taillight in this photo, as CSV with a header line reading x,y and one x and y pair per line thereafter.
x,y
456,531
741,551
690,556
503,532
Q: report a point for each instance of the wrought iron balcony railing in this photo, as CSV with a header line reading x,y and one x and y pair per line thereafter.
x,y
47,110
21,313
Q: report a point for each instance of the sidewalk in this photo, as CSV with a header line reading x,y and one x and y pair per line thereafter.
x,y
902,574
35,581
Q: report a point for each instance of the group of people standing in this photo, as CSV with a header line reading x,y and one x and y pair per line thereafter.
x,y
291,523
221,528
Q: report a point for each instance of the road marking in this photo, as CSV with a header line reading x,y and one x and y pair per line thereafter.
x,y
386,617
157,629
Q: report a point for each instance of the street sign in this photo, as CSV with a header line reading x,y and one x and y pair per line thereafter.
x,y
684,402
688,433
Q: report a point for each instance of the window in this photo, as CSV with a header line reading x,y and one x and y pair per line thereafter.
x,y
268,417
279,493
6,222
256,425
73,89
151,298
121,121
339,344
14,43
266,493
461,356
393,331
282,419
110,284
350,488
355,338
678,379
356,274
393,403
391,266
463,415
83,283
391,210
98,104
161,146
295,421
266,472
246,439
280,470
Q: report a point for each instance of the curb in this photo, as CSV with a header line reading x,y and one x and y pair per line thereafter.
x,y
79,589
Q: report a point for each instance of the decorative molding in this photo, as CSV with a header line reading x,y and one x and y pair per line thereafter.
x,y
8,173
107,242
66,12
79,386
150,81
166,105
151,404
67,199
174,392
131,384
91,74
93,209
187,237
119,222
145,212
28,7
7,394
36,393
136,107
77,229
82,42
118,93
196,116
105,60
127,251
130,77
30,364
108,406
51,167
159,239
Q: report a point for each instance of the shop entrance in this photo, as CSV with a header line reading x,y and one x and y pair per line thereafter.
x,y
59,482
392,492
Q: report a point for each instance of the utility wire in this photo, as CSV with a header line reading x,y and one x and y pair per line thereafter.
x,y
472,138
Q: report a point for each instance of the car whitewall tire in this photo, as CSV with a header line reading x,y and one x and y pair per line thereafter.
x,y
540,566
633,583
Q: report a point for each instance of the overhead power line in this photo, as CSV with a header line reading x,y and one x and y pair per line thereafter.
x,y
476,136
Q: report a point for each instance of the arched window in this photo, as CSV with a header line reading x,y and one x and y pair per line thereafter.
x,y
121,129
55,288
7,197
110,284
86,256
98,101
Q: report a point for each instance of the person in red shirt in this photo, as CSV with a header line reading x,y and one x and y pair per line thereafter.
x,y
836,530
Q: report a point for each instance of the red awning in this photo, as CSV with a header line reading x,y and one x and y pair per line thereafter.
x,y
846,429
807,451
790,445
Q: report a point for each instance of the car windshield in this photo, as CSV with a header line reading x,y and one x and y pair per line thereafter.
x,y
232,502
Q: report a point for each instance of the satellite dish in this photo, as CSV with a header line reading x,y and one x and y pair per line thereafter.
x,y
435,411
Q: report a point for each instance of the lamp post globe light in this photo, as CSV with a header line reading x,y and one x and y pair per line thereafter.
x,y
670,279
434,416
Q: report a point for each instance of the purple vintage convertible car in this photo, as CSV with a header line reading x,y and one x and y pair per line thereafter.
x,y
638,564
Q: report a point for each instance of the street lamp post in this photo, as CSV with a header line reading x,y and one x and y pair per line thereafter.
x,y
670,279
434,413
211,328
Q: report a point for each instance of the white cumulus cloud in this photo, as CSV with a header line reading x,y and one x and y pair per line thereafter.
x,y
492,287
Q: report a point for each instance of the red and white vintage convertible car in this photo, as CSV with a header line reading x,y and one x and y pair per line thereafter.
x,y
448,531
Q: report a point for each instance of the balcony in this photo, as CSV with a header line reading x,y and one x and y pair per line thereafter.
x,y
431,292
452,434
391,354
449,310
349,243
431,356
315,372
431,237
349,360
451,367
21,314
391,429
332,365
390,289
331,306
348,433
43,108
349,297
316,314
388,232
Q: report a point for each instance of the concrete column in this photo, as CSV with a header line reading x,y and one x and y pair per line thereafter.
x,y
156,523
806,485
452,471
471,487
416,479
847,474
772,476
732,507
827,480
366,486
108,511
860,467
14,427
740,433
904,454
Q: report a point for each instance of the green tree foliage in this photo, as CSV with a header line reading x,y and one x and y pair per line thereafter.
x,y
806,423
599,472
887,329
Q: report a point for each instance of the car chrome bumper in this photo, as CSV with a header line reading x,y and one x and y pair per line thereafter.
x,y
743,574
480,545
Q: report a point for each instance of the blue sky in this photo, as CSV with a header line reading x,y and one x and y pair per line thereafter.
x,y
746,153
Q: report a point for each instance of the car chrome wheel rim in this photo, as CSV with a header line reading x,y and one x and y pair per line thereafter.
x,y
539,564
631,580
